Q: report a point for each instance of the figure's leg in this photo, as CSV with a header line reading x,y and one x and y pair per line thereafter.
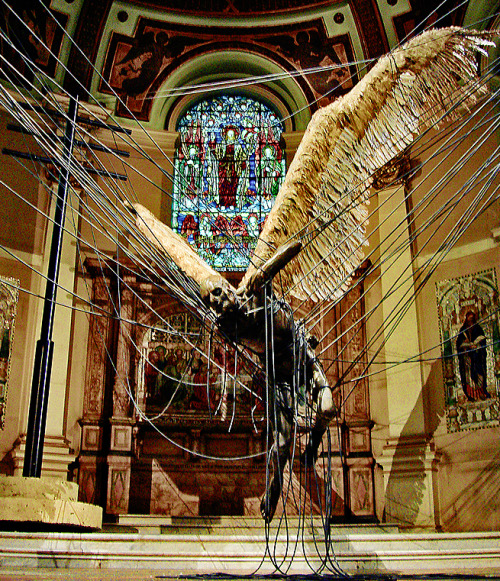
x,y
280,451
325,412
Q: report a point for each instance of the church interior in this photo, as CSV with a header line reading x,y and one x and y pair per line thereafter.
x,y
196,111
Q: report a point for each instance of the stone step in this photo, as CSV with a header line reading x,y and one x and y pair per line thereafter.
x,y
174,555
224,525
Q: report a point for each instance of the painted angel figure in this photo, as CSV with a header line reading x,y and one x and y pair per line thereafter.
x,y
313,238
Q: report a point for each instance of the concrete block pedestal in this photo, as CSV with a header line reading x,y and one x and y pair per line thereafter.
x,y
45,503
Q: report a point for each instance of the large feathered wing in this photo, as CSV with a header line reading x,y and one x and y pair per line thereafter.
x,y
323,201
164,239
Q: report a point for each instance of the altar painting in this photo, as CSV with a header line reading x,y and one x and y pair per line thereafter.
x,y
184,370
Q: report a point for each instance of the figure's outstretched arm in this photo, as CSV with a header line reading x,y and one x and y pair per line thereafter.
x,y
271,267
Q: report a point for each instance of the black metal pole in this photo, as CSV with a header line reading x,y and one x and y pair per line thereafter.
x,y
45,346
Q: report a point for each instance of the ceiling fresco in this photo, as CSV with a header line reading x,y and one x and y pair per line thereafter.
x,y
49,26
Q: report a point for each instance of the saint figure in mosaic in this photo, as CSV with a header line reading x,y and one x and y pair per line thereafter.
x,y
471,349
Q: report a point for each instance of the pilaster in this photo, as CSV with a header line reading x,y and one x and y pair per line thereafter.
x,y
92,458
404,381
408,460
119,459
57,454
410,466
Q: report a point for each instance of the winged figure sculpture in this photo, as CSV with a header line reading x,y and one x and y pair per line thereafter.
x,y
313,238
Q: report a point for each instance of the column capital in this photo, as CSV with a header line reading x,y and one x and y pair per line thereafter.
x,y
393,173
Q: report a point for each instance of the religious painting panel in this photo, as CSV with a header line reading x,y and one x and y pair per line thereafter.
x,y
9,295
310,50
228,170
469,328
133,64
31,35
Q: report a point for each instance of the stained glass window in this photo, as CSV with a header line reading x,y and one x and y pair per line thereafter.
x,y
228,169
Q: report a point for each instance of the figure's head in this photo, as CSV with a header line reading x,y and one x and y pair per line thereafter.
x,y
153,356
218,294
470,318
162,351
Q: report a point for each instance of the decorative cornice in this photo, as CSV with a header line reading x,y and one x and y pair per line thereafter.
x,y
235,7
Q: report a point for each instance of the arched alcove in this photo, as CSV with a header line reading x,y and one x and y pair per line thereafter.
x,y
226,69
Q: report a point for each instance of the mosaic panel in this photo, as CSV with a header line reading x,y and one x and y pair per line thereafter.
x,y
468,322
9,294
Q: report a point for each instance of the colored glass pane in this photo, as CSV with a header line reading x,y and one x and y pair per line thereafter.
x,y
228,169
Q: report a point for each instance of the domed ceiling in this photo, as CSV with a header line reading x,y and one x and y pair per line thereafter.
x,y
148,59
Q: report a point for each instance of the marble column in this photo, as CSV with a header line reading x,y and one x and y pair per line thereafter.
x,y
121,423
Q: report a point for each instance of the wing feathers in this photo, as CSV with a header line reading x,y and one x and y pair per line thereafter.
x,y
323,200
166,240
